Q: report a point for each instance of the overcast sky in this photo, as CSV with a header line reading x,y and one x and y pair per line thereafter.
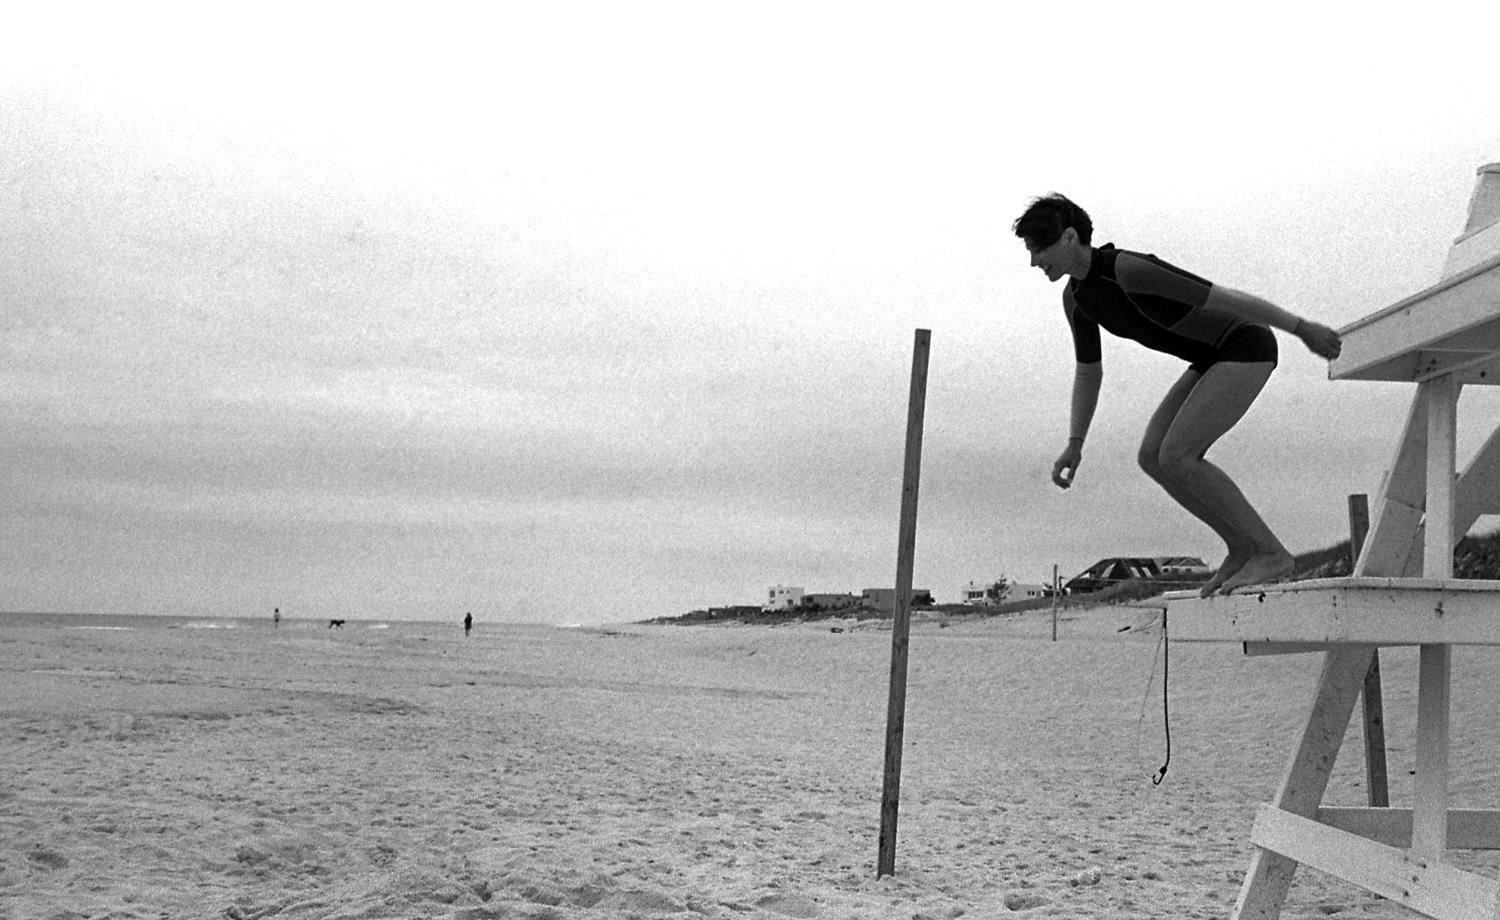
x,y
584,313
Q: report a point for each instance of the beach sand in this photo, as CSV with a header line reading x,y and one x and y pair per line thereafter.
x,y
658,771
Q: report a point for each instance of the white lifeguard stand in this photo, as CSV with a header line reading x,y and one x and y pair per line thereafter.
x,y
1402,592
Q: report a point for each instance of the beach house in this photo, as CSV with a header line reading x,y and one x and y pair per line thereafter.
x,y
999,591
782,597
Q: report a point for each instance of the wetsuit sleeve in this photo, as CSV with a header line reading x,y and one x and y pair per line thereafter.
x,y
1144,276
1086,347
1171,297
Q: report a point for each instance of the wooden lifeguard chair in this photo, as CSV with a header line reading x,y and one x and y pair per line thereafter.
x,y
1403,593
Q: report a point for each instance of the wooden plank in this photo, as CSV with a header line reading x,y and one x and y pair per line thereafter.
x,y
1373,584
1395,548
1468,828
1475,493
1306,777
1376,784
1478,489
1352,611
1483,373
1441,396
1257,649
1374,709
1428,887
1479,340
1467,363
1398,508
895,726
1430,786
1430,799
1383,346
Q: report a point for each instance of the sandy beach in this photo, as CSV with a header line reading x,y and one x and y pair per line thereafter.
x,y
655,771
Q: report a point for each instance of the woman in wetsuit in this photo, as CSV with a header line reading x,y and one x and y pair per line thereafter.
x,y
1224,335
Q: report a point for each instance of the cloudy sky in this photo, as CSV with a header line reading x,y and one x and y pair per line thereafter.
x,y
583,313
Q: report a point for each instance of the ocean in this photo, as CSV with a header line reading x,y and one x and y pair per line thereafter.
x,y
113,621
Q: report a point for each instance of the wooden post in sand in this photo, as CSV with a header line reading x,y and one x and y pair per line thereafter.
x,y
1054,603
1376,783
895,723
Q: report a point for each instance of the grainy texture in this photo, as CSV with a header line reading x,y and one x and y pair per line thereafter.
x,y
663,771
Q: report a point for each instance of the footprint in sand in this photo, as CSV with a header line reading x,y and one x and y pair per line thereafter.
x,y
1023,900
653,901
789,905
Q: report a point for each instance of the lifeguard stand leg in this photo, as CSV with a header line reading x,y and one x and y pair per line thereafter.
x,y
1429,832
1429,820
1307,773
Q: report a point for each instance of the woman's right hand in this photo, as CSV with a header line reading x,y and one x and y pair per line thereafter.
x,y
1067,465
1319,339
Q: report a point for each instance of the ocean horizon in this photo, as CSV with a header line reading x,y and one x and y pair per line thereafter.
x,y
125,621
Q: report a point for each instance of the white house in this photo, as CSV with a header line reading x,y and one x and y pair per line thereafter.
x,y
980,593
782,597
1024,592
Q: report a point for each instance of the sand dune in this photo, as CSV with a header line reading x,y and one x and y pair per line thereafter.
x,y
661,772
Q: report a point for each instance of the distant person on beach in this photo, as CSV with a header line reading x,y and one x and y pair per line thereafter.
x,y
276,618
468,624
1224,335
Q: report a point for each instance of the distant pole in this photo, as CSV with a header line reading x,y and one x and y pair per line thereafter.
x,y
1054,602
895,722
1376,782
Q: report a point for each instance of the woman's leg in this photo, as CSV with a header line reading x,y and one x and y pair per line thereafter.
x,y
1239,550
1221,397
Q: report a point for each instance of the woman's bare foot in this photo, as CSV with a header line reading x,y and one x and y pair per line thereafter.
x,y
1232,563
1260,569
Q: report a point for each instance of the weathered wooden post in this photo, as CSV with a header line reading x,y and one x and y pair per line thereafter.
x,y
895,723
1054,603
1376,781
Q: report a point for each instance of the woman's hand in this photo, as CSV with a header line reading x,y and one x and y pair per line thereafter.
x,y
1067,465
1319,339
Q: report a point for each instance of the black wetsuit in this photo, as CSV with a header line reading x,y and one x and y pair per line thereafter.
x,y
1138,296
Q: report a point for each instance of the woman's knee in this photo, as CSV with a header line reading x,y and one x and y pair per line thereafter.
x,y
1149,458
1174,461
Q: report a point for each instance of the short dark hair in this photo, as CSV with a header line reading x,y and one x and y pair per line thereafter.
x,y
1045,219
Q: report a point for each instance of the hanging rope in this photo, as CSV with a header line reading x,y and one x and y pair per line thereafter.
x,y
1161,654
1166,718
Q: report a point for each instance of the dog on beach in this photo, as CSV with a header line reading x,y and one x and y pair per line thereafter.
x,y
335,623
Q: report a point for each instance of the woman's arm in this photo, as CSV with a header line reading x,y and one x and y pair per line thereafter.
x,y
1087,380
1319,339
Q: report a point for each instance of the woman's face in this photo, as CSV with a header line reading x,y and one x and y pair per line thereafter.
x,y
1060,258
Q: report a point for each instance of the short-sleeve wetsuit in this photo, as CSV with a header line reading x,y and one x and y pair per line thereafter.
x,y
1140,297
